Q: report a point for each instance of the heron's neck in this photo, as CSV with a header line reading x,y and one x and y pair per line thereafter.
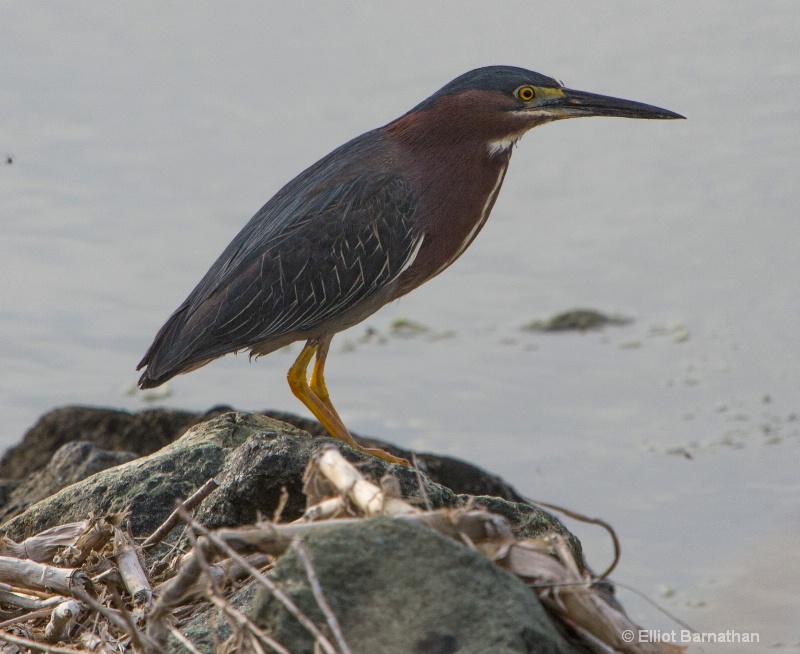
x,y
457,183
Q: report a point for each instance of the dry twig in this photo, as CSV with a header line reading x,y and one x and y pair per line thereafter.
x,y
29,603
24,573
131,570
173,593
174,518
33,615
548,566
60,618
242,621
319,597
92,539
36,646
592,521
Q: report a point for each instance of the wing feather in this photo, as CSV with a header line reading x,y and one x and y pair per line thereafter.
x,y
328,241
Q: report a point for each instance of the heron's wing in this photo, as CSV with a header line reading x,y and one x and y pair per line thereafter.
x,y
297,264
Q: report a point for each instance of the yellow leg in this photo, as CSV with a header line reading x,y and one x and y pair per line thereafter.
x,y
317,380
317,399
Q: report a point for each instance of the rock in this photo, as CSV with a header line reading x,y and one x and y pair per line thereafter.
x,y
208,627
255,474
459,476
401,588
71,463
109,429
7,487
148,431
148,486
576,319
253,458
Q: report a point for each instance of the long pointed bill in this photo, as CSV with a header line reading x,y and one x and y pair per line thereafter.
x,y
573,104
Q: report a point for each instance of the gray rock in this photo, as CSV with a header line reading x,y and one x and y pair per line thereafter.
x,y
398,588
254,458
71,463
7,488
148,431
208,628
459,476
110,429
255,474
148,486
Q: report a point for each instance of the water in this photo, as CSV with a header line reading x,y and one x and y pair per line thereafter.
x,y
143,136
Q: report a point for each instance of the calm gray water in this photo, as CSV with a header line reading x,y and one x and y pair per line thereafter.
x,y
143,136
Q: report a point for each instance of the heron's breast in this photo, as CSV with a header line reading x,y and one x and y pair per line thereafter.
x,y
452,212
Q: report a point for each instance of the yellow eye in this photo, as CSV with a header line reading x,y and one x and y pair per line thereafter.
x,y
526,93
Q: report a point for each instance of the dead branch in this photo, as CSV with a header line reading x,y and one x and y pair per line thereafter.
x,y
337,472
174,518
222,572
208,545
119,618
33,615
60,619
44,547
93,539
131,570
487,532
242,621
28,574
548,566
39,647
28,603
580,517
329,509
319,596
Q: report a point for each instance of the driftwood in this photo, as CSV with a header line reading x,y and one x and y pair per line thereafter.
x,y
60,619
333,475
221,573
26,602
133,575
174,518
548,566
30,575
93,538
74,541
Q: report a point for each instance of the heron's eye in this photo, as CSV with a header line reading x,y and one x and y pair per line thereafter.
x,y
526,93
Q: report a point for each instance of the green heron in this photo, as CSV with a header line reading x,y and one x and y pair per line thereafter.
x,y
366,224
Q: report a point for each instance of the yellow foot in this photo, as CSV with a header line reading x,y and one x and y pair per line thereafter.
x,y
314,394
384,455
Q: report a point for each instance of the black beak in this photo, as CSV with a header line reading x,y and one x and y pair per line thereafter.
x,y
574,104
